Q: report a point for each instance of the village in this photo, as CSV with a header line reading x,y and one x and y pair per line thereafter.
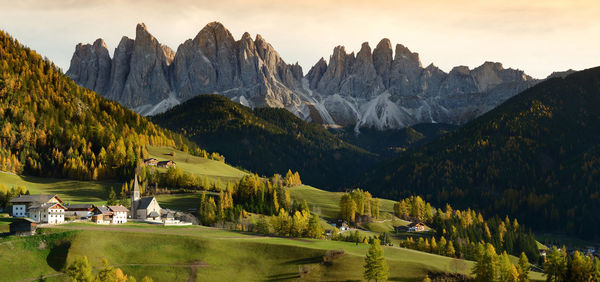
x,y
32,211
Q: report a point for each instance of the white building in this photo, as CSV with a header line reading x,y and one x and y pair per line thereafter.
x,y
110,214
119,214
40,208
146,208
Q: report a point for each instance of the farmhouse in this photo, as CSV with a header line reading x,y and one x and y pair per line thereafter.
x,y
119,214
416,227
110,214
166,164
151,162
40,208
79,210
23,227
146,208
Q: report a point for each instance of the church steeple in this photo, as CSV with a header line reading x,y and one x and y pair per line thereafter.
x,y
135,196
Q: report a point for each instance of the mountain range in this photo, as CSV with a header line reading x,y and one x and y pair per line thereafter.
x,y
536,156
379,88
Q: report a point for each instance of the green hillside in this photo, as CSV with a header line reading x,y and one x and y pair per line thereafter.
x,y
51,127
266,140
163,254
197,165
536,157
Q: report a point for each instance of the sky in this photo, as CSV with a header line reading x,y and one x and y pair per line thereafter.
x,y
538,37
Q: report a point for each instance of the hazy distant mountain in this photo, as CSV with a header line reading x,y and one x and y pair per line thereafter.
x,y
370,89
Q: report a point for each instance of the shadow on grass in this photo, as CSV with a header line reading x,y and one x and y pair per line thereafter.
x,y
302,261
57,258
284,276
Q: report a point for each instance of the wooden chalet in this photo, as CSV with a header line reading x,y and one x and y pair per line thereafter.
x,y
166,164
416,227
151,162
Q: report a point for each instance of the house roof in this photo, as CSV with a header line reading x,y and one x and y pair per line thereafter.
x,y
166,162
153,214
145,202
118,208
104,210
150,159
45,206
412,224
168,215
42,198
79,206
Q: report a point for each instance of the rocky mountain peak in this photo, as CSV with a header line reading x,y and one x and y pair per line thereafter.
x,y
381,87
150,78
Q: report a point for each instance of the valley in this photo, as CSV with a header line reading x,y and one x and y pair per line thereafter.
x,y
220,160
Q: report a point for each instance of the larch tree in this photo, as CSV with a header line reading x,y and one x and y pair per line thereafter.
x,y
376,267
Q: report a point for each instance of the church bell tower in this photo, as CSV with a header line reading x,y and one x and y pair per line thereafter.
x,y
135,196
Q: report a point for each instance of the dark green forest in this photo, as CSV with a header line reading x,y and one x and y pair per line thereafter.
x,y
267,140
49,126
535,157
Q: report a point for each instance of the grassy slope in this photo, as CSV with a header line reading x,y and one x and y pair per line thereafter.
x,y
229,255
197,165
70,191
327,203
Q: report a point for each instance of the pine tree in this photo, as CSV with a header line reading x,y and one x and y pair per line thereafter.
x,y
505,269
80,270
314,227
555,266
485,268
112,198
523,267
376,267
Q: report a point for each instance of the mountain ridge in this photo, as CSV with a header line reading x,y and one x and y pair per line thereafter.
x,y
535,157
378,88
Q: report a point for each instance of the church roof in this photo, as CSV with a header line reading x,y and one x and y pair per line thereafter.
x,y
145,202
136,185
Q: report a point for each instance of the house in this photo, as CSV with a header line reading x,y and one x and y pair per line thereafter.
x,y
119,214
416,227
151,162
40,208
102,215
341,225
166,164
146,208
110,214
23,227
79,210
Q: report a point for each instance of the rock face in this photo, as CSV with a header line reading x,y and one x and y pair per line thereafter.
x,y
388,89
150,78
378,88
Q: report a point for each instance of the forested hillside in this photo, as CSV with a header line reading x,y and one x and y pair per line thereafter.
x,y
536,157
267,140
50,126
388,143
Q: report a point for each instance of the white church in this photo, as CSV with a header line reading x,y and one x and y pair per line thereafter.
x,y
146,208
